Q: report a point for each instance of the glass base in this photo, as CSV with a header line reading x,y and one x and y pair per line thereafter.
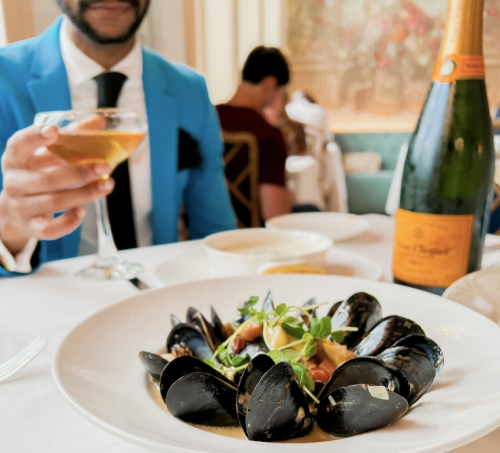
x,y
120,270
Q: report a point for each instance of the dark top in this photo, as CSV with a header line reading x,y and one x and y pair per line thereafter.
x,y
272,151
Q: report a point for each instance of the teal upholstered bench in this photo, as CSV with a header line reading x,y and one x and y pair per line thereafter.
x,y
367,192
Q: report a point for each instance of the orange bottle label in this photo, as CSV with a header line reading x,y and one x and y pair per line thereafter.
x,y
431,250
458,67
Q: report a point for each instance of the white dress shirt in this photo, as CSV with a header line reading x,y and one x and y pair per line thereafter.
x,y
83,88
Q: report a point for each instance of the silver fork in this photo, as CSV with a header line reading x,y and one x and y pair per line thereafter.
x,y
21,359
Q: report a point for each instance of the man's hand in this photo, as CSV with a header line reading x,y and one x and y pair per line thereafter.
x,y
37,185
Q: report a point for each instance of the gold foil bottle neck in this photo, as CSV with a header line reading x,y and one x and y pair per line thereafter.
x,y
463,34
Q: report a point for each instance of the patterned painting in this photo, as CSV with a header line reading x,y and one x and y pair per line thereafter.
x,y
376,56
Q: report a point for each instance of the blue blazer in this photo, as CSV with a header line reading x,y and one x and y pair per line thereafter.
x,y
33,79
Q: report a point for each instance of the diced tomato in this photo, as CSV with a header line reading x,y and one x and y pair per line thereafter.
x,y
319,374
328,366
252,331
238,344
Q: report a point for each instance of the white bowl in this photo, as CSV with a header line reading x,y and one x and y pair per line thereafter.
x,y
227,257
335,225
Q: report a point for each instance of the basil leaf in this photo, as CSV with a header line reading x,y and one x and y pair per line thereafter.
x,y
209,362
293,327
338,336
275,355
239,361
325,327
292,355
252,301
315,327
281,309
244,311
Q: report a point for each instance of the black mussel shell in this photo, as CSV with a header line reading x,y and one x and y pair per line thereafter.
x,y
385,334
219,329
353,410
174,320
153,363
203,399
333,309
254,371
361,310
254,348
239,318
182,366
196,318
192,338
369,371
429,347
278,409
312,312
416,366
268,304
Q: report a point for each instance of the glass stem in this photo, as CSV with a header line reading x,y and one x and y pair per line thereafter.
x,y
107,253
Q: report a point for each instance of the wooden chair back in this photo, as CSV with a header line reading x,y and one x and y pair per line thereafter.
x,y
244,147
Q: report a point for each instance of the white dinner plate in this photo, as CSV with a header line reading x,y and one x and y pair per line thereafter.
x,y
98,369
195,265
479,291
335,225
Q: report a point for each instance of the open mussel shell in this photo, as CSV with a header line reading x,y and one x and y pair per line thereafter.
x,y
333,309
253,373
196,318
415,365
278,409
203,399
153,363
313,313
239,318
429,347
268,304
385,333
182,366
357,409
254,348
174,320
190,337
370,371
361,310
219,329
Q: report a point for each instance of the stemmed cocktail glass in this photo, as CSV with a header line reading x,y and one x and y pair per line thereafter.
x,y
109,135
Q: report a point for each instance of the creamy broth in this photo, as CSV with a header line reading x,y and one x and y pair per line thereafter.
x,y
316,435
272,250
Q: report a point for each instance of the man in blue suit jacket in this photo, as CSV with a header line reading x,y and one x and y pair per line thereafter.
x,y
33,79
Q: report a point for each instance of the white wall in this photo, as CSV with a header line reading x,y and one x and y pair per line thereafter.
x,y
44,13
3,34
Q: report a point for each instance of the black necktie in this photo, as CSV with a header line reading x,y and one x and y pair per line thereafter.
x,y
120,209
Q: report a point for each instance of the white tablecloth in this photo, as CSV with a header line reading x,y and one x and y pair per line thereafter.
x,y
34,415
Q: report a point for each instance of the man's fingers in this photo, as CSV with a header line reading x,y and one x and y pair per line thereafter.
x,y
40,205
45,160
23,183
23,144
51,229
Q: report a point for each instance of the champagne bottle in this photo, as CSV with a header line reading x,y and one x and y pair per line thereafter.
x,y
448,173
